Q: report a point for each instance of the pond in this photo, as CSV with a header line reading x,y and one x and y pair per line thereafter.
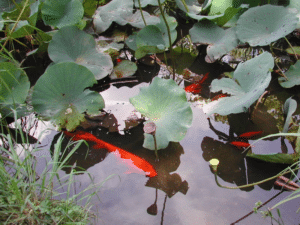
x,y
184,191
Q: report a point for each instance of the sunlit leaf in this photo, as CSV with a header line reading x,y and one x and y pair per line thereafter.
x,y
165,104
125,68
262,25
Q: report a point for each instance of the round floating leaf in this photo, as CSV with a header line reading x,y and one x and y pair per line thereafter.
x,y
262,25
253,78
70,44
60,95
62,13
220,41
13,89
293,75
125,68
165,104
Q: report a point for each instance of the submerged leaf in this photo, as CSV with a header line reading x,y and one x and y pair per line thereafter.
x,y
165,104
263,25
60,95
70,44
125,68
252,76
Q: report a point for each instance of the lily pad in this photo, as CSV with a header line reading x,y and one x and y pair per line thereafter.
x,y
289,108
252,76
121,12
152,38
293,75
220,41
70,44
165,104
262,25
13,89
60,95
125,68
62,13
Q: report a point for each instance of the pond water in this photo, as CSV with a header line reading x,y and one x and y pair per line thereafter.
x,y
185,190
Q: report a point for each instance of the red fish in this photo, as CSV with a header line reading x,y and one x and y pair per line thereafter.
x,y
132,160
196,87
219,96
250,134
240,144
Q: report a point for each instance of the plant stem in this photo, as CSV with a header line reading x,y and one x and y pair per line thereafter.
x,y
155,145
169,35
142,13
291,47
253,184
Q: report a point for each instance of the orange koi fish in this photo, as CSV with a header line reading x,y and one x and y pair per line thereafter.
x,y
129,158
219,96
196,87
240,144
250,134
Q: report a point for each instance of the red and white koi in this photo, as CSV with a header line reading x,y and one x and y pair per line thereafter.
x,y
132,160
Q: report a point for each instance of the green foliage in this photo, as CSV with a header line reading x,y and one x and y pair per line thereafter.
x,y
125,68
65,104
165,104
70,44
262,25
249,81
62,13
121,12
292,75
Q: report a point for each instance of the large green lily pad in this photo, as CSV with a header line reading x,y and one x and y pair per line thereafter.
x,y
250,79
62,13
293,75
165,104
60,95
70,44
262,25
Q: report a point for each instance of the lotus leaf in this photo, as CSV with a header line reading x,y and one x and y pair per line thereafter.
x,y
220,41
252,76
144,3
60,95
194,9
13,89
62,13
293,75
165,104
152,38
125,68
289,108
70,44
7,5
121,12
262,25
